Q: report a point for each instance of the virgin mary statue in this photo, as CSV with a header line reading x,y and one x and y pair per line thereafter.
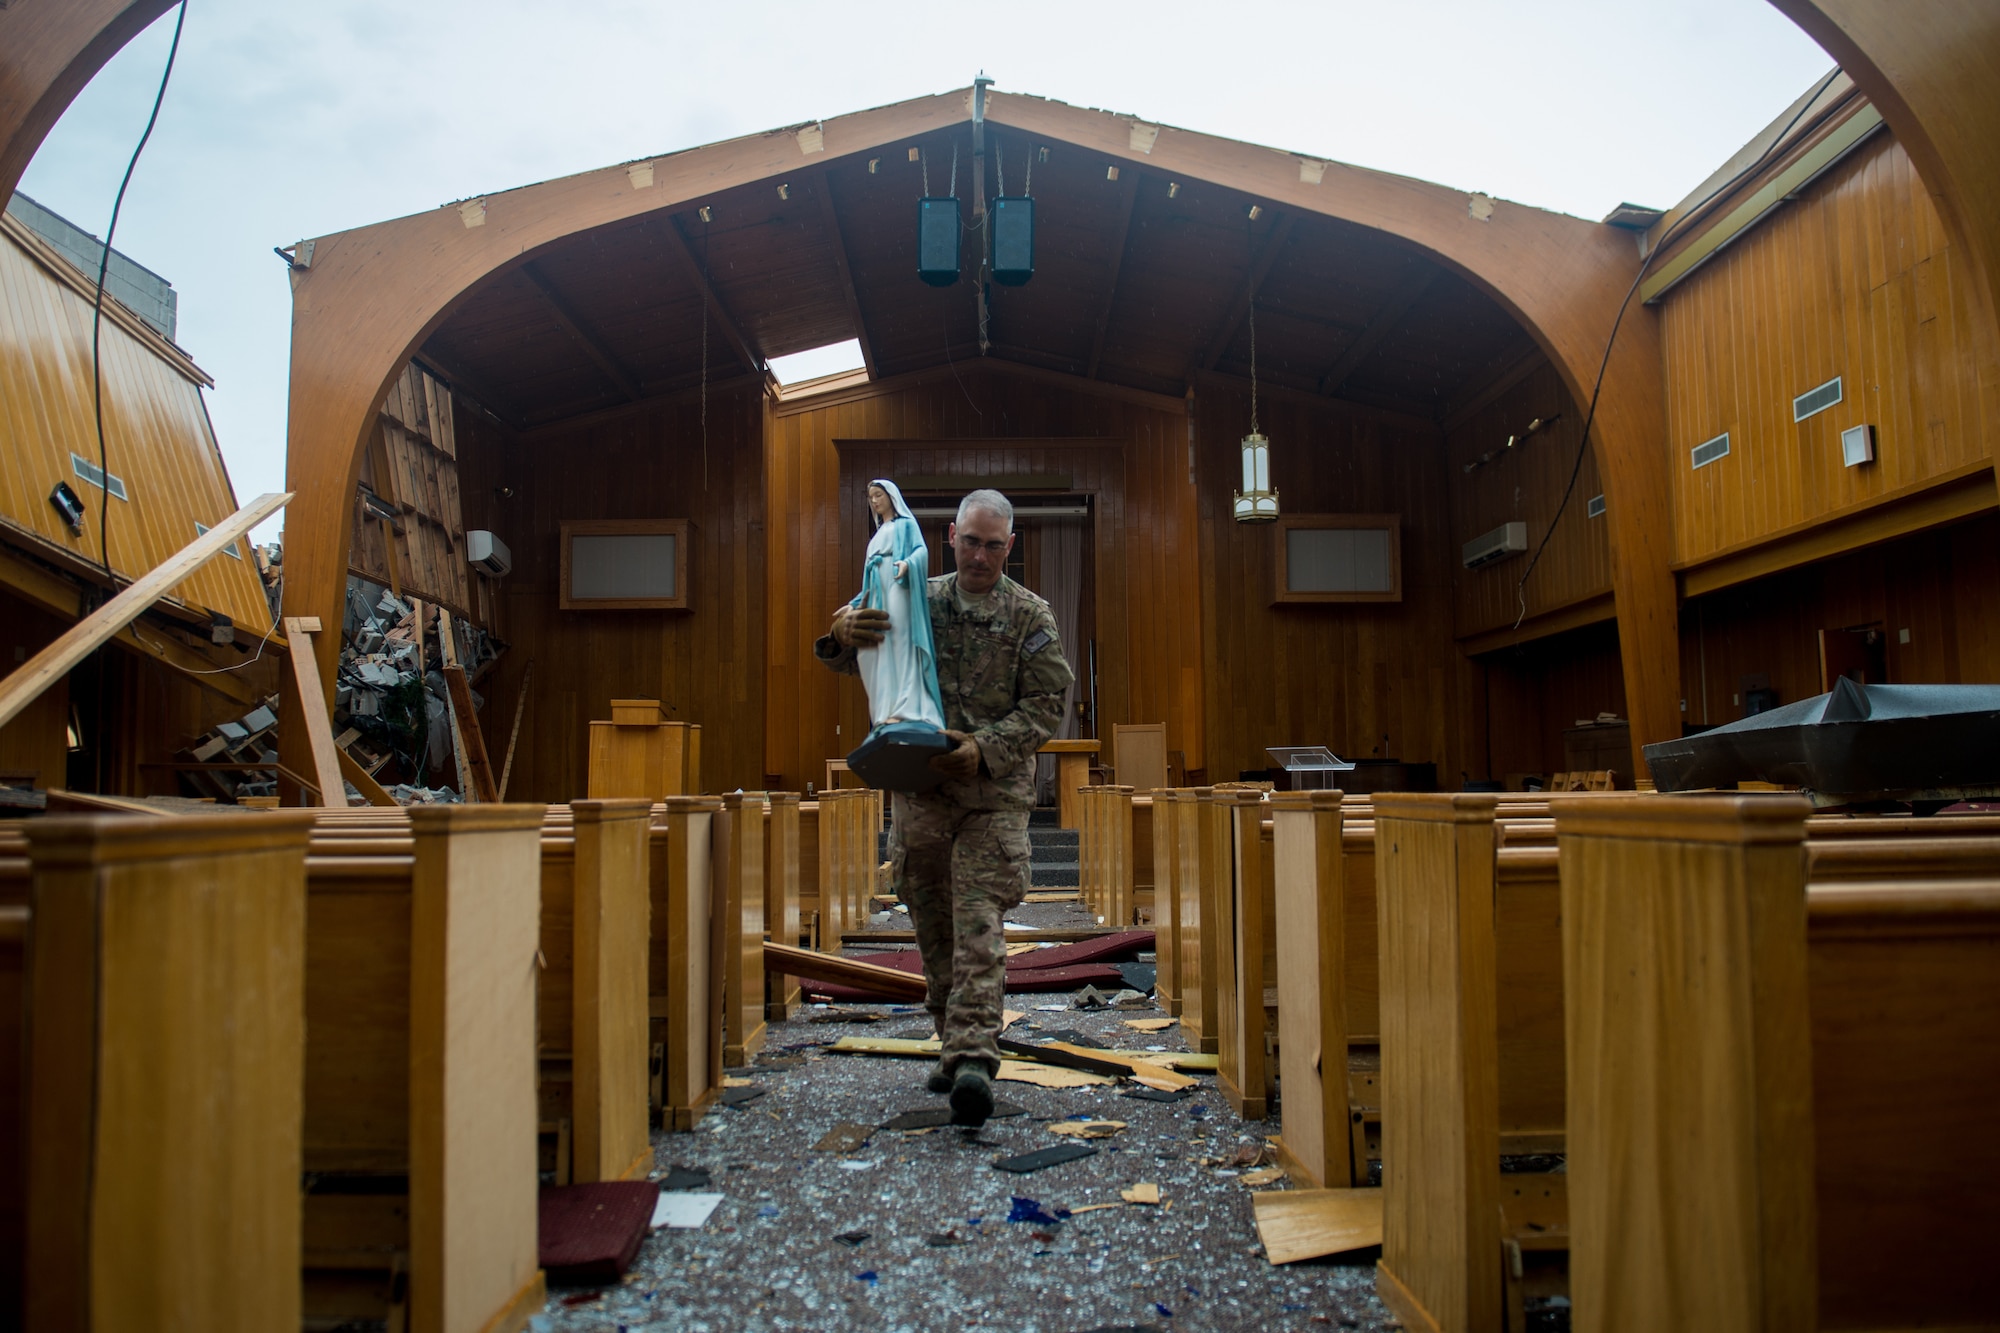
x,y
900,673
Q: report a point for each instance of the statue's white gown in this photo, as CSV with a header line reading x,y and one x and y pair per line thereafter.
x,y
892,672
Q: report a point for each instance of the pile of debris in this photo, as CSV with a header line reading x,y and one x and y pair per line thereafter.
x,y
390,695
392,708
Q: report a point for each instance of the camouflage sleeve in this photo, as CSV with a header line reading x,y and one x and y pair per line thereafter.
x,y
831,655
1042,680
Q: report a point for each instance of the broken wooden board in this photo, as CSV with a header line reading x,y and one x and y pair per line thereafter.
x,y
908,1047
1308,1224
1150,1024
1152,1069
1087,1129
846,1139
1145,1192
1049,1076
902,986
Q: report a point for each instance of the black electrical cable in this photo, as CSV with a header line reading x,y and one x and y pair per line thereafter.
x,y
97,376
97,306
1645,265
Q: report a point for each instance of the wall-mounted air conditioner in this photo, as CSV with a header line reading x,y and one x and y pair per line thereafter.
x,y
484,551
1505,540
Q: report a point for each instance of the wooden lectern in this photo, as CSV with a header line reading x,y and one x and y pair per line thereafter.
x,y
639,753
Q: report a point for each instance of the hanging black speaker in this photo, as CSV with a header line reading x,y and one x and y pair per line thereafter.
x,y
1013,222
937,240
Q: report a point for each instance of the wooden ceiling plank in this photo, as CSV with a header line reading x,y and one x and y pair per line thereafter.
x,y
592,348
1476,396
732,332
1378,328
1131,197
1260,268
831,216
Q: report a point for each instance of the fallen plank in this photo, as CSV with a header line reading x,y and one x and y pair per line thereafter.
x,y
27,681
1308,1224
1156,1071
897,1046
1049,1076
810,966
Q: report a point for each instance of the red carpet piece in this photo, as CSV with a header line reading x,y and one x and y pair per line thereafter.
x,y
589,1233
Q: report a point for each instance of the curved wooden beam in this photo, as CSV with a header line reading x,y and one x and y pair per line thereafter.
x,y
49,49
374,294
1932,68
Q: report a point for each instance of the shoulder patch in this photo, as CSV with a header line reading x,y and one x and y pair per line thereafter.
x,y
1037,641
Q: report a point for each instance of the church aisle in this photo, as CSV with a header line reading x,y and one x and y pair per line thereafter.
x,y
939,1251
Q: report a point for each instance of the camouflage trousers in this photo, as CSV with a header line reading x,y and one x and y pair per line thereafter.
x,y
959,872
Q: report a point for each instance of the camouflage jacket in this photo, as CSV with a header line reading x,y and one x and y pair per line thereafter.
x,y
1003,681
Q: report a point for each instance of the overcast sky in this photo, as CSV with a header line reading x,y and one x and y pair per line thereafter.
x,y
287,121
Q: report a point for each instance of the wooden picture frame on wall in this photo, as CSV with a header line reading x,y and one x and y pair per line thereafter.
x,y
631,564
1328,558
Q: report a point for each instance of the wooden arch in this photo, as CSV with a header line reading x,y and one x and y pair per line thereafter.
x,y
371,296
49,49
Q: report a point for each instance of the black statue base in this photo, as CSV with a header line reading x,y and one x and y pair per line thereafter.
x,y
897,757
1921,745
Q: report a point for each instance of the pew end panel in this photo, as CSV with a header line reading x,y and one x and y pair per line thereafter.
x,y
1166,900
685,971
739,876
1690,1112
783,996
1441,1251
1240,895
164,972
610,1137
1307,924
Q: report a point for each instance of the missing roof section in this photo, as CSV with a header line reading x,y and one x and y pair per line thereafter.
x,y
841,358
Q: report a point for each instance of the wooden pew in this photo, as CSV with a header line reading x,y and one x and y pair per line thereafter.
x,y
1781,1098
1309,923
782,997
1472,1061
1238,914
1166,813
739,882
419,1119
1105,864
686,967
592,1003
161,1043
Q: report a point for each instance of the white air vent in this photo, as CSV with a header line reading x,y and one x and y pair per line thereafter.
x,y
486,552
1814,401
1710,450
1594,507
93,474
1505,540
1857,445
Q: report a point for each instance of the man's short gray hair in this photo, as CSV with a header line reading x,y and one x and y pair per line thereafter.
x,y
991,501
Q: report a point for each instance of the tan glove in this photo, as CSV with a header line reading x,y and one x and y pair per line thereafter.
x,y
859,627
961,763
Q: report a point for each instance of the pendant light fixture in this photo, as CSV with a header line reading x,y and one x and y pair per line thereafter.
x,y
1256,502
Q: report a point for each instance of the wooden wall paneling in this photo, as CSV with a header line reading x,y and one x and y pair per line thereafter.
x,y
613,915
686,989
1684,944
181,1191
158,439
782,997
1855,279
1535,690
1524,483
739,867
705,664
1401,689
1307,924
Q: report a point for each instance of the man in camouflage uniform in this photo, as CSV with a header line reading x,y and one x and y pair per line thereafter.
x,y
960,852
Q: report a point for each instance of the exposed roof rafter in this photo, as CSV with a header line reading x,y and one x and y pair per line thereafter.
x,y
1488,387
830,216
1131,197
1379,327
683,250
594,349
1260,268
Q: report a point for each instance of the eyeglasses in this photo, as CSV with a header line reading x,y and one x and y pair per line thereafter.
x,y
971,544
